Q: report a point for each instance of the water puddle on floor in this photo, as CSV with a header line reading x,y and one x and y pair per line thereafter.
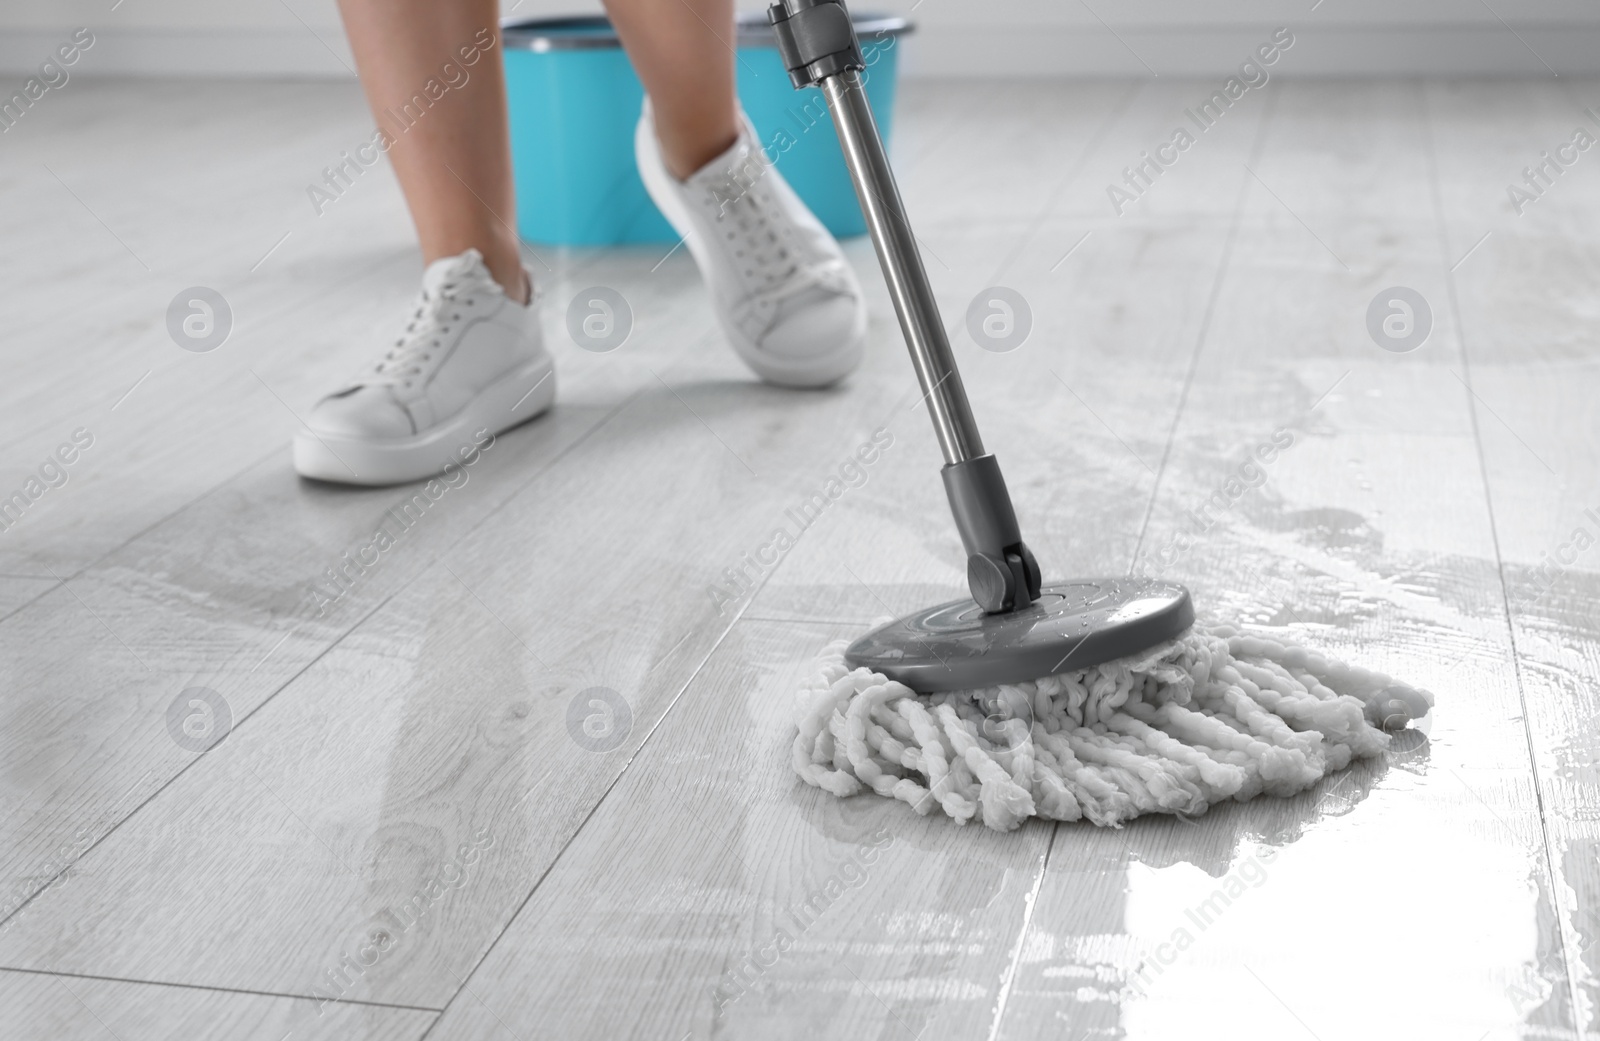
x,y
1388,922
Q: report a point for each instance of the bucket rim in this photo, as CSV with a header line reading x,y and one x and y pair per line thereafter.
x,y
542,35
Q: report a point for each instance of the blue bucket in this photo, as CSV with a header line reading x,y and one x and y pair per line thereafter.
x,y
574,100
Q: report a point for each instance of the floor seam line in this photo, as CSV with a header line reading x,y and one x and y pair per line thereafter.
x,y
1573,996
626,766
1090,149
587,817
281,313
337,642
136,536
190,764
1014,963
1223,264
212,988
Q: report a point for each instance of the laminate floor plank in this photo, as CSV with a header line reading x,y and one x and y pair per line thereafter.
x,y
1079,414
689,872
409,773
50,1007
192,555
712,896
1364,532
232,593
441,719
169,425
1530,358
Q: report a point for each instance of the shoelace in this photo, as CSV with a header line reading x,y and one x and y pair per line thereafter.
x,y
767,257
424,334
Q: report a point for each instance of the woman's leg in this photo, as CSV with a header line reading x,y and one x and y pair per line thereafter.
x,y
470,361
781,288
683,52
454,160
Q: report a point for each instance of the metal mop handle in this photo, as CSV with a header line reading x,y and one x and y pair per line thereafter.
x,y
902,268
819,48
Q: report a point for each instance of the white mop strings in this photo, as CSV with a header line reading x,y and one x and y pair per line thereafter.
x,y
1212,715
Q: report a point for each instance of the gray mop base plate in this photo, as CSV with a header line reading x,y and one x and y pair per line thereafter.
x,y
1073,625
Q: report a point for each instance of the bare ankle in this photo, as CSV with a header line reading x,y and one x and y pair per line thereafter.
x,y
686,152
511,276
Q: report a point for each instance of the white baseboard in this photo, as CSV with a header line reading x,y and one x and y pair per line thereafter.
x,y
1395,51
227,53
1042,50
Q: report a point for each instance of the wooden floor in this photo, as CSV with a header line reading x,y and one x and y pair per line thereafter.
x,y
401,816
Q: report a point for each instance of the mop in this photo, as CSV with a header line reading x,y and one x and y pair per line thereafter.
x,y
1210,716
1092,699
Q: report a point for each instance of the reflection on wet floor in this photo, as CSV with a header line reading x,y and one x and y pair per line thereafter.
x,y
1411,897
1420,515
1333,913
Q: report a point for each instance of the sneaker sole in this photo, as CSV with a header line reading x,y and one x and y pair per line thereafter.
x,y
821,370
512,399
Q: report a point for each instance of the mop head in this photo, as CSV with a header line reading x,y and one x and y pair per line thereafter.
x,y
1212,715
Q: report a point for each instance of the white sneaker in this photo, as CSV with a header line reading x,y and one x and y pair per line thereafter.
x,y
784,294
470,362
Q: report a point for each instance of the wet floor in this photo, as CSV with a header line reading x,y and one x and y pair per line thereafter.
x,y
528,775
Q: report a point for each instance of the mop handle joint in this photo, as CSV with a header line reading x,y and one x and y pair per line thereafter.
x,y
818,44
1002,574
815,40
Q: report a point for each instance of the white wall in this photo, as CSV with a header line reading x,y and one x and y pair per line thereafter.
x,y
955,37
